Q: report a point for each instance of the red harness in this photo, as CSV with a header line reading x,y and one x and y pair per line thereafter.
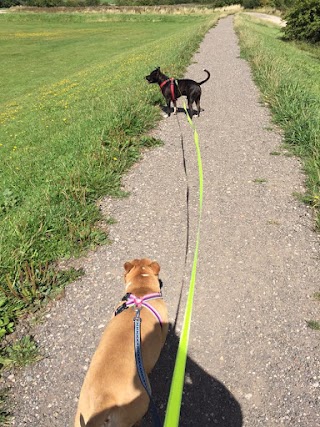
x,y
172,83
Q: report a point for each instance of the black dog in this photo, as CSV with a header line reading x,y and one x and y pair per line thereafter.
x,y
173,89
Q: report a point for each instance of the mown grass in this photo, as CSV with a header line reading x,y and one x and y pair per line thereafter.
x,y
74,111
288,75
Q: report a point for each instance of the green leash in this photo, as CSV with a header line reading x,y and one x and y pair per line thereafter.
x,y
175,396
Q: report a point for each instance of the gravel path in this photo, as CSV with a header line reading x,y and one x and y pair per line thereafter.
x,y
252,359
272,18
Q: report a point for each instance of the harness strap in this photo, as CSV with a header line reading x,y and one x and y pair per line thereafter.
x,y
154,312
129,301
172,83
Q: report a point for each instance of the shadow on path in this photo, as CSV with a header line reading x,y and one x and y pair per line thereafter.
x,y
206,401
179,110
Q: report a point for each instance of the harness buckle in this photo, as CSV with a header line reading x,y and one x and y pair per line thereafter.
x,y
126,296
120,309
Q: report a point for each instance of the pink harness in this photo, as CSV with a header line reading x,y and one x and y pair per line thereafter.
x,y
172,83
132,300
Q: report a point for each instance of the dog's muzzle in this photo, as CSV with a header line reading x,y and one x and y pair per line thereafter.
x,y
150,79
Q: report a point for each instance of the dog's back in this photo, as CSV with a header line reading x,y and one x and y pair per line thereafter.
x,y
173,89
112,392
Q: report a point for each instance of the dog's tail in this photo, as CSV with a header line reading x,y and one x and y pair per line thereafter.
x,y
205,80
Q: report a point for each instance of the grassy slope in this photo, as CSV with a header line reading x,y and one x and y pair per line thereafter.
x,y
288,75
73,111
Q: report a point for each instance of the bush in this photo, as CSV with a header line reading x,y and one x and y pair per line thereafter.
x,y
251,4
282,4
54,3
210,3
9,3
303,21
44,3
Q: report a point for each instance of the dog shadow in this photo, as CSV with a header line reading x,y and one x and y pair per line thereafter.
x,y
164,109
206,401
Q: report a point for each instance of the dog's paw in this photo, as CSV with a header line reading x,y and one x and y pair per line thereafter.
x,y
165,115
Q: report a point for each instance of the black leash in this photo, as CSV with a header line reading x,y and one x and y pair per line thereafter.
x,y
188,223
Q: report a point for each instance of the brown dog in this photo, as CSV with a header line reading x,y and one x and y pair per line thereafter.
x,y
112,394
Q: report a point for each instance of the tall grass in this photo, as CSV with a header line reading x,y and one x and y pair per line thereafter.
x,y
288,75
74,110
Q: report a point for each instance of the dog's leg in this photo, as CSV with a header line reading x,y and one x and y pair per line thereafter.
x,y
198,106
168,107
174,107
190,108
99,420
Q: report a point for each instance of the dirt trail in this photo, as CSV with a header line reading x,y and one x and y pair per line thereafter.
x,y
272,18
252,359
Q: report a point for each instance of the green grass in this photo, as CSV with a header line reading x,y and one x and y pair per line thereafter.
x,y
20,353
288,75
259,180
313,324
74,112
5,419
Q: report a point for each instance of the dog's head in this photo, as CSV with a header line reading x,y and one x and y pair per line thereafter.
x,y
154,76
140,271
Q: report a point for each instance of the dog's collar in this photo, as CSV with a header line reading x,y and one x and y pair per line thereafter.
x,y
130,283
130,300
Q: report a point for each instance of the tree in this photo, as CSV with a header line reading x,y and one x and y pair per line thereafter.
x,y
303,21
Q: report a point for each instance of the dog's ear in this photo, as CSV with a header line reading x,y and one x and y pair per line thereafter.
x,y
128,266
155,267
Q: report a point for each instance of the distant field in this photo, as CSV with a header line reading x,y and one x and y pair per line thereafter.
x,y
74,109
288,75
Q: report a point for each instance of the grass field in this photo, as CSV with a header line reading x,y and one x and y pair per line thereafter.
x,y
74,112
288,75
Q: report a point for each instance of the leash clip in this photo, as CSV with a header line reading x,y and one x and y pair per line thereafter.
x,y
138,306
137,314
